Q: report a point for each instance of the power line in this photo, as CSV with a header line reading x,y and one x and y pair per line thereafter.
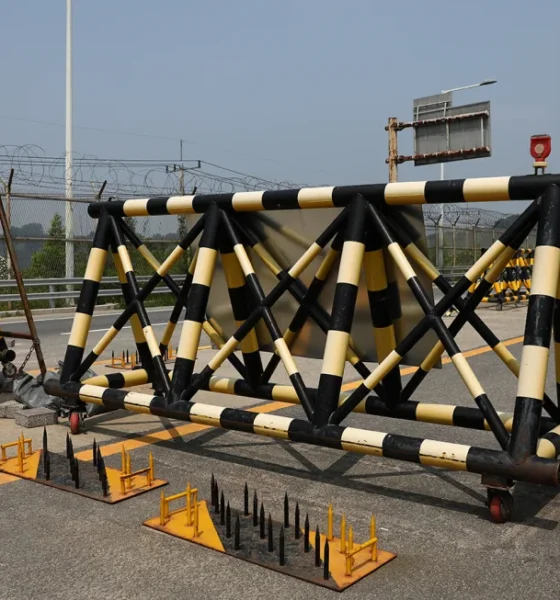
x,y
161,137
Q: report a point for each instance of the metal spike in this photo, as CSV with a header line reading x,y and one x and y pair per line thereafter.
x,y
217,505
297,530
76,474
45,440
255,509
212,481
270,534
228,521
104,484
261,522
237,533
67,445
326,553
281,551
306,535
246,500
222,510
317,547
47,465
94,452
286,511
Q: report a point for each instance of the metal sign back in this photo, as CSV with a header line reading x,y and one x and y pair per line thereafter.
x,y
446,133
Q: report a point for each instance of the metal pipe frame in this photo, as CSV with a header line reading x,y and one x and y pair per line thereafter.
x,y
368,229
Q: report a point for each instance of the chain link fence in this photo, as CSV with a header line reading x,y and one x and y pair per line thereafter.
x,y
456,234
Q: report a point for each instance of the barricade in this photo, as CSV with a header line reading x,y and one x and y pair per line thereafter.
x,y
370,234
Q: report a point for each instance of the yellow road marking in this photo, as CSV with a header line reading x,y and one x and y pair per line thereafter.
x,y
446,360
5,478
169,434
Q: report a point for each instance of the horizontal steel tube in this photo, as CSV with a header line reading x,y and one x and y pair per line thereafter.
x,y
457,457
466,417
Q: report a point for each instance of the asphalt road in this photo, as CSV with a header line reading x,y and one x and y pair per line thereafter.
x,y
61,546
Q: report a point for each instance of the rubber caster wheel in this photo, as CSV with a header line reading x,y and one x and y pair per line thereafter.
x,y
75,421
501,506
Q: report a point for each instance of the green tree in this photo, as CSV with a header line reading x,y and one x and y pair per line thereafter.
x,y
50,260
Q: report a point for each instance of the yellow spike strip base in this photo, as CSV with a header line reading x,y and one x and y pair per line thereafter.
x,y
90,486
299,564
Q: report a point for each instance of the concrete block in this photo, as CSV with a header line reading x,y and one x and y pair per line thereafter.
x,y
9,409
36,417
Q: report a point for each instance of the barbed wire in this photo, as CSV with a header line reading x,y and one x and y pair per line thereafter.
x,y
36,172
38,175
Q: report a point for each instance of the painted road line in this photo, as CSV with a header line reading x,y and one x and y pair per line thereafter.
x,y
170,434
445,361
5,478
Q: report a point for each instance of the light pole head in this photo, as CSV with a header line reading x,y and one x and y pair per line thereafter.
x,y
488,82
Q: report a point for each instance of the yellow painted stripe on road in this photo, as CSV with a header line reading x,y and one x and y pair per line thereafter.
x,y
170,434
446,360
5,478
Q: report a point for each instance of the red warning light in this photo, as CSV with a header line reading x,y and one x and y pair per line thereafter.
x,y
541,146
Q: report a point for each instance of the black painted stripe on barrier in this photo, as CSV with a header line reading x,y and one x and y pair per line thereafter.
x,y
541,333
452,190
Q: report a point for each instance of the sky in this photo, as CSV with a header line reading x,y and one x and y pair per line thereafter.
x,y
290,90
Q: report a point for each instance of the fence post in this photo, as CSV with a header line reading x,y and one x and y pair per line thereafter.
x,y
51,300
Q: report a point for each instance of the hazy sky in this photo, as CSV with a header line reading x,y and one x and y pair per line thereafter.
x,y
290,90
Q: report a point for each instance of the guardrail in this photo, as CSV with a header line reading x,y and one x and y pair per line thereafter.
x,y
452,273
53,283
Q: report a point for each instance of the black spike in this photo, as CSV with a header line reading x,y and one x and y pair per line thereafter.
x,y
286,511
45,440
127,356
306,535
47,465
261,522
228,521
281,552
270,534
73,468
222,510
297,530
104,484
212,481
217,505
255,509
94,452
246,500
137,357
67,445
76,474
317,547
326,553
70,448
112,355
100,466
237,534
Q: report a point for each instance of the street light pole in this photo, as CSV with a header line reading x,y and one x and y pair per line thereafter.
x,y
458,89
69,214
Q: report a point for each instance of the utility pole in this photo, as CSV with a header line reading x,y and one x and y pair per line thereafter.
x,y
393,149
69,215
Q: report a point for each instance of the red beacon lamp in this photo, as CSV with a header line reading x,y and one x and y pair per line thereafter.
x,y
541,146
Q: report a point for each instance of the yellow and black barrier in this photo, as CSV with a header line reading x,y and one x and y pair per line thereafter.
x,y
513,284
366,226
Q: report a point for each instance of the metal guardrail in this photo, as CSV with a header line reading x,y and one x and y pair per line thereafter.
x,y
53,295
451,273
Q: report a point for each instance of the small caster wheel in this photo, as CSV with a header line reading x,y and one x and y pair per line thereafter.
x,y
75,421
500,504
